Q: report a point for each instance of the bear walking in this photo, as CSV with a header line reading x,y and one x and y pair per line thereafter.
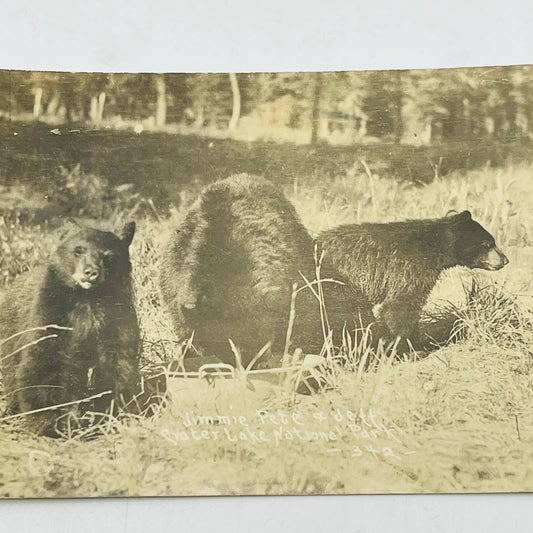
x,y
82,301
396,265
229,269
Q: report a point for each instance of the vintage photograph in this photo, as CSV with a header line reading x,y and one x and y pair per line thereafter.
x,y
266,283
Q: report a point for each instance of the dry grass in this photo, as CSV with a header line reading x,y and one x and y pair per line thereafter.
x,y
458,420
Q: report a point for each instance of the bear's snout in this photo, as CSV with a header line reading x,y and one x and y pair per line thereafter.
x,y
505,261
495,259
91,273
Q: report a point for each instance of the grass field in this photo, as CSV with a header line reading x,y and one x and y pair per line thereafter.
x,y
459,420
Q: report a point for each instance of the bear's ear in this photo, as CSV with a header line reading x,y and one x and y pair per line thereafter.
x,y
451,213
127,233
465,216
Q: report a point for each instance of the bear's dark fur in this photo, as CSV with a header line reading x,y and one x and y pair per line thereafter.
x,y
396,265
86,287
229,269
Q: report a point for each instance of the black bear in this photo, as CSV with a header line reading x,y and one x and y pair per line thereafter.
x,y
71,328
229,271
396,265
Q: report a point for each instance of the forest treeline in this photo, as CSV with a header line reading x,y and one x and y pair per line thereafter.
x,y
415,107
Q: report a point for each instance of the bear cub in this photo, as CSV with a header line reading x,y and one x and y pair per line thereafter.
x,y
396,265
228,272
71,329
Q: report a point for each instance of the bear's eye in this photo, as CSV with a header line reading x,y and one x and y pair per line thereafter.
x,y
487,245
79,250
109,254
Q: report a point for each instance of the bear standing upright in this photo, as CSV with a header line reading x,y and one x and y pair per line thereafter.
x,y
71,327
396,265
228,273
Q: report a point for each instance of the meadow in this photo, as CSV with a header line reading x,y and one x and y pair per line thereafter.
x,y
456,420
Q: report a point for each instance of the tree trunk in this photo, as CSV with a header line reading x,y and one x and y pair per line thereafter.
x,y
53,105
200,115
467,119
69,108
397,104
315,112
93,112
510,110
236,94
37,103
97,108
456,122
161,110
427,135
100,107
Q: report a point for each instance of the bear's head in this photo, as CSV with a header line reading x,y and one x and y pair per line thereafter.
x,y
88,258
473,245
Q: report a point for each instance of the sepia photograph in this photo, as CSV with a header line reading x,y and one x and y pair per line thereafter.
x,y
266,283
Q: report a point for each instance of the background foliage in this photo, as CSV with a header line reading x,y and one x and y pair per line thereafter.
x,y
418,106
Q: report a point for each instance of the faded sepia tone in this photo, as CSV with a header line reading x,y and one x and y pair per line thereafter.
x,y
286,343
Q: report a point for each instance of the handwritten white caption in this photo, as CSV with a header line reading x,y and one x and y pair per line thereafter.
x,y
362,431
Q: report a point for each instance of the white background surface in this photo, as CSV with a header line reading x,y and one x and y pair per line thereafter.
x,y
248,35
